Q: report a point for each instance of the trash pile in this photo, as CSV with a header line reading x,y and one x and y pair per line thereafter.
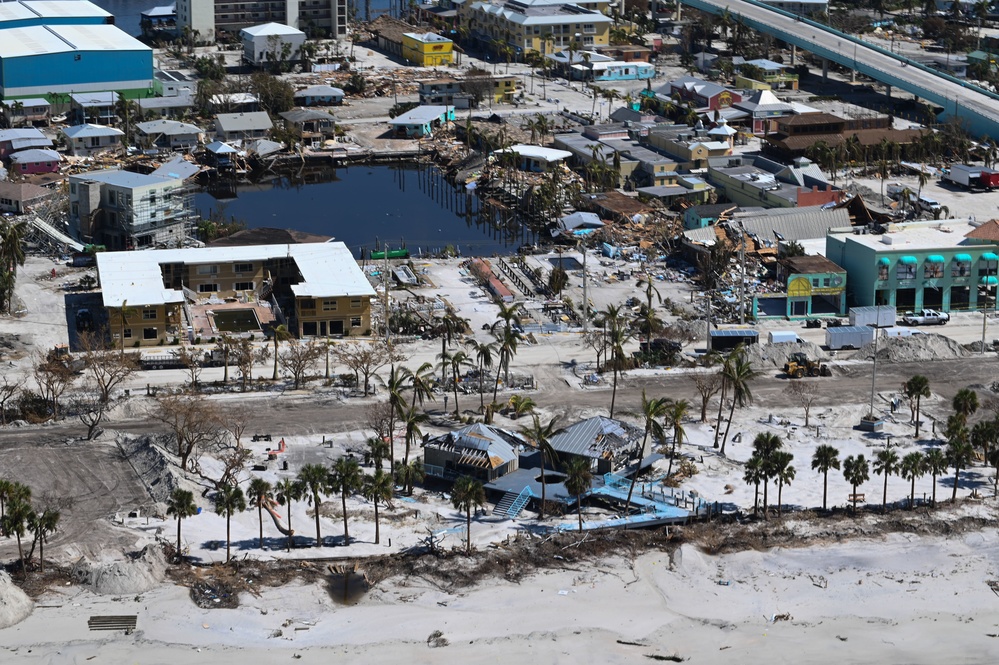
x,y
767,356
214,594
138,574
15,606
914,349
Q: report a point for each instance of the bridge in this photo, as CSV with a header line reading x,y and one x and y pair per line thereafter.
x,y
976,108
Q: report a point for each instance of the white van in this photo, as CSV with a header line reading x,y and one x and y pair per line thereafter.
x,y
778,336
900,331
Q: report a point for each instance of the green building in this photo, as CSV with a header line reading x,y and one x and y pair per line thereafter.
x,y
948,265
815,287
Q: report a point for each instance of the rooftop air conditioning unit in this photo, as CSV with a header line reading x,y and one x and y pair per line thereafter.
x,y
887,239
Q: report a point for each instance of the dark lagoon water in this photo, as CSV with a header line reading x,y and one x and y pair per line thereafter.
x,y
365,206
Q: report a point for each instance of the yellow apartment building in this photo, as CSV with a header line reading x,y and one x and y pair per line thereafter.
x,y
536,25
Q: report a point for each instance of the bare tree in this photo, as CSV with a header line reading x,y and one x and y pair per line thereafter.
x,y
707,386
107,367
225,345
805,393
245,356
8,391
300,360
53,378
234,420
90,408
366,358
192,365
195,424
596,340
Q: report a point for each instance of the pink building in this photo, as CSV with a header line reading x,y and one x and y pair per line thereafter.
x,y
27,162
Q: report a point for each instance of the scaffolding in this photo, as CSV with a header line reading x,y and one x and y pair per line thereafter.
x,y
158,219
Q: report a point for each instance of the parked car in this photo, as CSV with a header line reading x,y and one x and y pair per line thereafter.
x,y
925,317
84,320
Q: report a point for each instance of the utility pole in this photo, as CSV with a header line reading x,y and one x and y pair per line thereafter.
x,y
742,283
874,371
586,300
388,328
985,306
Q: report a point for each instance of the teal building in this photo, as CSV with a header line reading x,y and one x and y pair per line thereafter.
x,y
950,265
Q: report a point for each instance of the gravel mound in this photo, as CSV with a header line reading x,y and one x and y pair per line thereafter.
x,y
687,331
137,574
766,356
15,606
158,474
914,349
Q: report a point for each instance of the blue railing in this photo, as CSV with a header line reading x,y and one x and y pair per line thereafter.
x,y
519,503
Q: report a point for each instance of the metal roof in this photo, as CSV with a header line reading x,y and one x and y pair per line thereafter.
x,y
178,167
243,122
86,99
421,115
30,40
537,152
596,437
268,29
34,156
296,116
20,133
122,178
320,91
88,130
168,127
220,148
32,142
98,38
794,223
328,269
496,443
64,9
182,100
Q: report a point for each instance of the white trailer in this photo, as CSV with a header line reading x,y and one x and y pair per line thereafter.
x,y
779,336
879,317
849,337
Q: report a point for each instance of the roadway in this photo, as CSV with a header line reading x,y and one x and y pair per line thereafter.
x,y
977,109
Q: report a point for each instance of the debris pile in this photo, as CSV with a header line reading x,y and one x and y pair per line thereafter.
x,y
767,356
15,606
914,349
137,574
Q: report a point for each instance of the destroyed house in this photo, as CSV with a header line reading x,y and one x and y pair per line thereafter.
x,y
479,451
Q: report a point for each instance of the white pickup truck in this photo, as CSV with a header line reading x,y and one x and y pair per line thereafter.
x,y
925,317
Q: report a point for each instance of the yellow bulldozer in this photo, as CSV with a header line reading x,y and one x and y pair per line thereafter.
x,y
799,366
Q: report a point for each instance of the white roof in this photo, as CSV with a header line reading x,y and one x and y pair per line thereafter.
x,y
426,37
221,148
320,91
922,236
537,152
328,269
421,115
33,156
64,8
88,130
168,127
31,40
98,37
34,101
15,11
268,29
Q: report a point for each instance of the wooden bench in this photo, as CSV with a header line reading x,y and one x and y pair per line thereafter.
x,y
113,622
859,497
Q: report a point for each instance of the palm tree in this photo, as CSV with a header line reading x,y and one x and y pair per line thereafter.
x,y
740,373
652,410
6,488
378,449
856,472
397,379
260,493
407,475
520,405
916,389
959,454
17,518
41,525
279,334
676,413
766,445
507,338
346,479
541,436
413,419
466,494
886,463
229,499
724,371
826,457
484,352
181,505
457,361
913,466
449,326
288,491
754,475
965,403
378,487
935,464
578,480
782,470
314,480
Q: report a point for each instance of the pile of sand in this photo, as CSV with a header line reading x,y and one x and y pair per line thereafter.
x,y
15,606
914,349
137,574
687,331
767,356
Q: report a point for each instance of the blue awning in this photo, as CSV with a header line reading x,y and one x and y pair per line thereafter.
x,y
908,260
935,258
885,261
990,256
966,258
988,281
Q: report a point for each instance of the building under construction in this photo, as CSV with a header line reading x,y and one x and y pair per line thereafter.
x,y
128,210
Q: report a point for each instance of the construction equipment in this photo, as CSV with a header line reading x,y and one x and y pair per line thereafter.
x,y
799,365
60,355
